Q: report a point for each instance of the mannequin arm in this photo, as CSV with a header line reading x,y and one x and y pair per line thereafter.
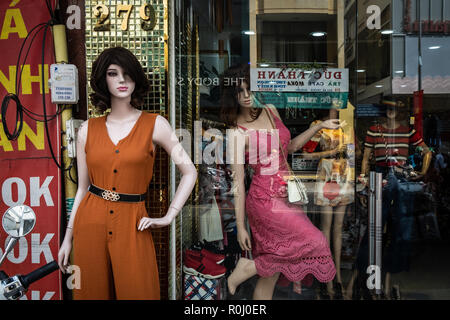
x,y
426,159
83,184
298,142
323,154
164,136
365,161
238,169
239,194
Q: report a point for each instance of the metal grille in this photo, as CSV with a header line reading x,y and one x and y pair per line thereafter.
x,y
187,99
151,50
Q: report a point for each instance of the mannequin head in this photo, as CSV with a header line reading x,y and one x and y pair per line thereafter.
x,y
245,98
236,95
120,85
114,68
396,108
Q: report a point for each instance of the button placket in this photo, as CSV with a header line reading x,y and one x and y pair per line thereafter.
x,y
114,172
109,222
112,211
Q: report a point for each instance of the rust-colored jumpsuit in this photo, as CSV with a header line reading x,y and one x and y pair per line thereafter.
x,y
116,260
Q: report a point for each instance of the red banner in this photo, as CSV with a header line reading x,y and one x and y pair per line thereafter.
x,y
28,174
418,112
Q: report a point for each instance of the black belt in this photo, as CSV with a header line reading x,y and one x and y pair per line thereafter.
x,y
114,196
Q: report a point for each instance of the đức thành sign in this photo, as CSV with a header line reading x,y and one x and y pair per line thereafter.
x,y
28,174
297,88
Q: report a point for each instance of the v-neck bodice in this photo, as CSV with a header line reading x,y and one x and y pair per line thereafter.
x,y
125,167
129,133
260,140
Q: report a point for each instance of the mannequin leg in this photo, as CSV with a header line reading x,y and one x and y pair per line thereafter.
x,y
387,285
326,221
339,214
265,287
349,291
325,225
245,269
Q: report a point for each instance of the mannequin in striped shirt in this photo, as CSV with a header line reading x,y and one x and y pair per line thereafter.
x,y
389,141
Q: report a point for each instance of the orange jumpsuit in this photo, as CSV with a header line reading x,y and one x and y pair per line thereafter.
x,y
116,260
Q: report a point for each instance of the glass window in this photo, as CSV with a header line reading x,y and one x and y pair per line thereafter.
x,y
301,108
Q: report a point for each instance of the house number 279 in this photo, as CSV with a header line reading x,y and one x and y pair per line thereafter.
x,y
146,13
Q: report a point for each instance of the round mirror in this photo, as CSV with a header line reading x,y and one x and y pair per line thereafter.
x,y
18,221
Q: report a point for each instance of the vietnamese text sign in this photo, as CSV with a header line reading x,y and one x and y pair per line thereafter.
x,y
297,88
298,80
28,174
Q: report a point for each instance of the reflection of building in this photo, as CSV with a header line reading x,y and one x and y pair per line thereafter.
x,y
284,32
367,49
391,54
435,44
388,60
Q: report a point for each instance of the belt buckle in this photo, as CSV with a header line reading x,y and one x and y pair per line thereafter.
x,y
110,195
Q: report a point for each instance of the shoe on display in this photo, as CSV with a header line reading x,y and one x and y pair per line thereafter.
x,y
203,267
199,245
395,293
217,258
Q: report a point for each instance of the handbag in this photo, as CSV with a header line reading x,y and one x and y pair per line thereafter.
x,y
331,190
297,192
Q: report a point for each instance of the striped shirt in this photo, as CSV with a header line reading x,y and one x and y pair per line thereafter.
x,y
397,140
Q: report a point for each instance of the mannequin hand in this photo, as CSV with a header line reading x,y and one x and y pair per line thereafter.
x,y
63,255
416,176
335,201
363,200
363,180
340,149
332,124
244,240
145,223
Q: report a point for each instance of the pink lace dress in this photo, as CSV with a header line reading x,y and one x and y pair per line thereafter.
x,y
283,238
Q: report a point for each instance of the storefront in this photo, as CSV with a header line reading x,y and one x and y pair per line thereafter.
x,y
375,48
371,65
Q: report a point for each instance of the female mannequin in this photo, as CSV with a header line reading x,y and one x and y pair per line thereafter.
x,y
284,241
112,244
333,168
390,143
